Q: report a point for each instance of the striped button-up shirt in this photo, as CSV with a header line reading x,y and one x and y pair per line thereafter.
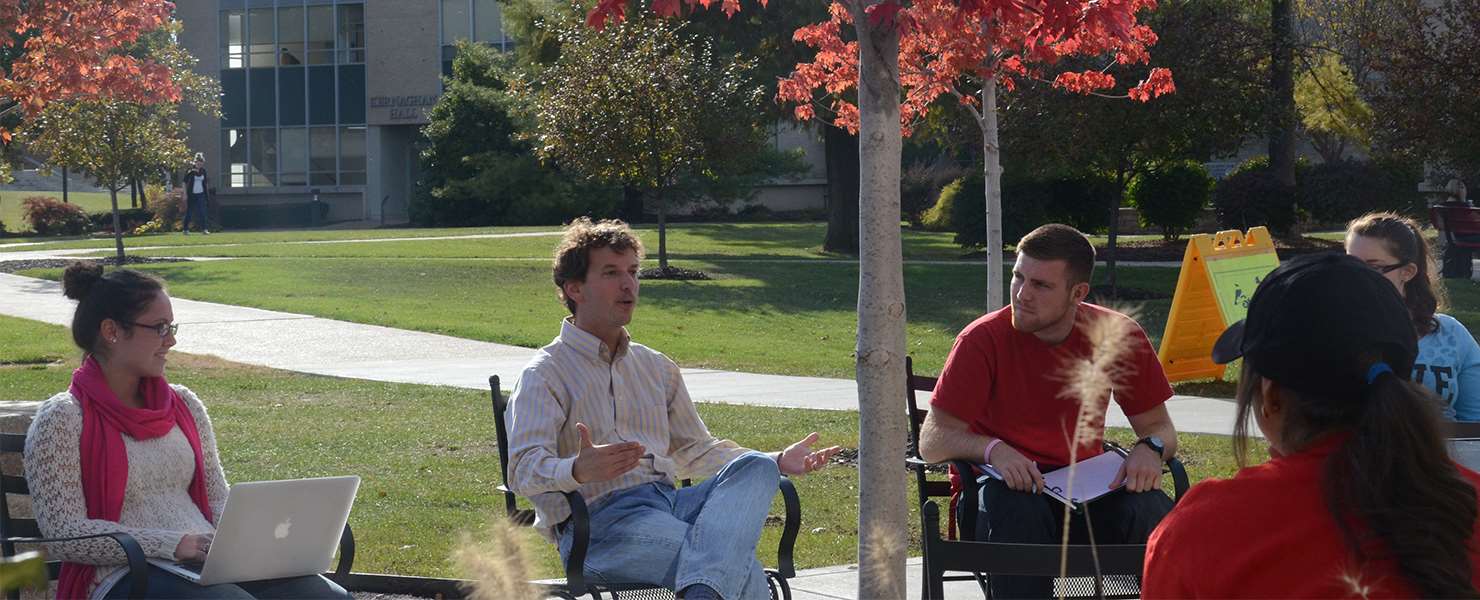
x,y
632,394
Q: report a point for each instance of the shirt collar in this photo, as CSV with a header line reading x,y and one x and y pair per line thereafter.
x,y
590,346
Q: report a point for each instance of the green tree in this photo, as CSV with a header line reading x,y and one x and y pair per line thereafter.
x,y
114,139
642,104
1331,109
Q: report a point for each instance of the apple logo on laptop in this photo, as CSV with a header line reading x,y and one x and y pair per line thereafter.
x,y
281,531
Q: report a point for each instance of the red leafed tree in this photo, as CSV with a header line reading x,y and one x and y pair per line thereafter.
x,y
68,49
945,50
872,67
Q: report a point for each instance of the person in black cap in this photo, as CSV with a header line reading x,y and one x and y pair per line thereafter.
x,y
1359,497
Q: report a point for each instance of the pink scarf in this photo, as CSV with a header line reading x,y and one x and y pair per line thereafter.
x,y
105,460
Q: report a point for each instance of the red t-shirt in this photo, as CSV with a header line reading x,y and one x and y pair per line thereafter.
x,y
1010,385
1267,533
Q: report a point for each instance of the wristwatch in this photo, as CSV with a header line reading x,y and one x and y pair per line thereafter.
x,y
1153,443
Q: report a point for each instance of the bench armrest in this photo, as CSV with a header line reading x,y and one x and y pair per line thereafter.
x,y
138,565
346,552
575,564
789,529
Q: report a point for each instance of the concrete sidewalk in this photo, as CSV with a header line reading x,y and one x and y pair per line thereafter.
x,y
337,348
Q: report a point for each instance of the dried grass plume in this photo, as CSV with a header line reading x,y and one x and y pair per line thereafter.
x,y
496,559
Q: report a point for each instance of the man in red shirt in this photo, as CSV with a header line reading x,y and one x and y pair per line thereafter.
x,y
1002,399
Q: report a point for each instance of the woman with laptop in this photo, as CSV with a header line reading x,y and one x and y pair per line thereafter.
x,y
1360,497
124,450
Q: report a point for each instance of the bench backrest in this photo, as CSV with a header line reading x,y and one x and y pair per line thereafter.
x,y
13,445
1456,220
500,405
913,384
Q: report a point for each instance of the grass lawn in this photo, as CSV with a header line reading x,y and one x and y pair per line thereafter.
x,y
14,218
427,454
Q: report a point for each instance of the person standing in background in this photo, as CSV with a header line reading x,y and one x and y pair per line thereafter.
x,y
196,182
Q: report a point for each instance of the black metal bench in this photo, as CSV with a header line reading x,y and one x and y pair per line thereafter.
x,y
575,583
15,530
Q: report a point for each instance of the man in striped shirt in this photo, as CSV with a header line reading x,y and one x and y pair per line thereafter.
x,y
597,413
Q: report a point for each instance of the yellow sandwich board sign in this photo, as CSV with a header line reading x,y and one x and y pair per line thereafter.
x,y
1219,274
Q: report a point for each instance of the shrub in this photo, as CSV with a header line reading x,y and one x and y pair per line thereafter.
x,y
167,207
1334,193
1082,200
130,218
49,216
962,208
920,185
1171,196
1250,197
509,190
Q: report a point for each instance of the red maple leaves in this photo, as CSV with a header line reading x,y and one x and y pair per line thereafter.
x,y
71,50
947,44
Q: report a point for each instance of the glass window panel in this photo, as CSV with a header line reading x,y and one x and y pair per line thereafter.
x,y
321,95
488,26
293,149
448,53
322,155
292,95
234,155
290,36
351,33
352,149
454,20
234,97
352,94
262,106
233,45
320,35
264,157
261,27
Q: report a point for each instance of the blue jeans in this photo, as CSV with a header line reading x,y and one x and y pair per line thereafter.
x,y
676,538
167,586
195,206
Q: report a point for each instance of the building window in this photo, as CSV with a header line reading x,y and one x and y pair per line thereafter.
x,y
261,28
234,156
321,35
322,156
262,96
478,20
292,96
488,23
291,48
293,144
351,33
352,156
233,44
351,94
233,97
455,21
263,149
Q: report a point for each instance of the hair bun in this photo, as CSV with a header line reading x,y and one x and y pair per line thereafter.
x,y
78,280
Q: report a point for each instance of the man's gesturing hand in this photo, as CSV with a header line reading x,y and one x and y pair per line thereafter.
x,y
601,463
799,459
1017,471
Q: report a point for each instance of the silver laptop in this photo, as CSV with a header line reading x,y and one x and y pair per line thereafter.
x,y
273,529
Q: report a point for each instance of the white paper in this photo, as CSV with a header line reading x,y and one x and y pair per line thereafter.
x,y
1092,479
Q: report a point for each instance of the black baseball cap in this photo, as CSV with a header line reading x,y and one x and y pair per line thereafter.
x,y
1312,316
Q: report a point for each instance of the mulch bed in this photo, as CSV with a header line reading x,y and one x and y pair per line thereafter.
x,y
13,266
673,273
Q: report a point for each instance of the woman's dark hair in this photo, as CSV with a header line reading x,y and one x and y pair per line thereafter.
x,y
1424,294
121,295
1391,482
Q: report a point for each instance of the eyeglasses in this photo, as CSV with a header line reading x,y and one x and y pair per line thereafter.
x,y
1385,269
163,329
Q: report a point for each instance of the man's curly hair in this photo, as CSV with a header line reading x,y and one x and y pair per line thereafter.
x,y
573,254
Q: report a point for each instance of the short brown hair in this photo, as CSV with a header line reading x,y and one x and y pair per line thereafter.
x,y
1055,241
573,254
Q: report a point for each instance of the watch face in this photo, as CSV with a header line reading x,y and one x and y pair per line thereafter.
x,y
1155,443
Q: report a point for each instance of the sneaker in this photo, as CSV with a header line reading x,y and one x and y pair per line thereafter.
x,y
206,231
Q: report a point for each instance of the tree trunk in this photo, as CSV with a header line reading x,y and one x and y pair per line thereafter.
x,y
1114,231
882,510
117,223
631,210
133,193
64,185
1282,100
992,166
662,230
841,149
